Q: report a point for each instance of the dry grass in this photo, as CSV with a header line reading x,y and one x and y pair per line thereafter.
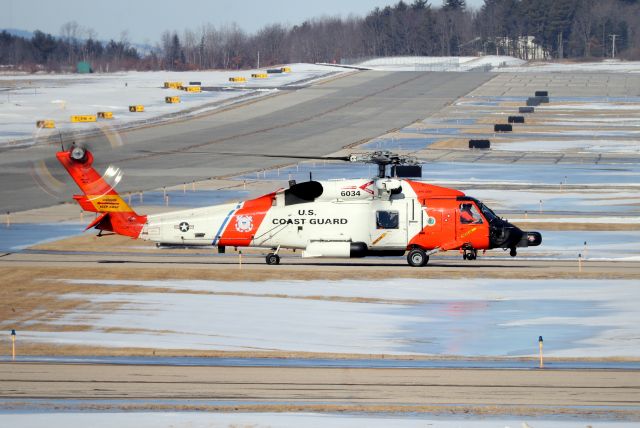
x,y
450,143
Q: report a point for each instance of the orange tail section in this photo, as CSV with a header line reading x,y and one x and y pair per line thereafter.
x,y
99,196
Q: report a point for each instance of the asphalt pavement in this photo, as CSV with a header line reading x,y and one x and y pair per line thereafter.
x,y
313,121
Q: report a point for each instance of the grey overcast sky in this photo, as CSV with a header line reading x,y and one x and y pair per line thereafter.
x,y
145,20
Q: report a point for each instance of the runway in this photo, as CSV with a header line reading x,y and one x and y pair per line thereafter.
x,y
314,121
352,387
212,265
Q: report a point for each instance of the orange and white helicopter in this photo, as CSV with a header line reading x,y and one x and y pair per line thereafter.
x,y
382,216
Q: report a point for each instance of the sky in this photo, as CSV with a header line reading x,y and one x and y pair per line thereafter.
x,y
145,20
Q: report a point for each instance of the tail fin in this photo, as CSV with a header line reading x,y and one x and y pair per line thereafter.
x,y
99,196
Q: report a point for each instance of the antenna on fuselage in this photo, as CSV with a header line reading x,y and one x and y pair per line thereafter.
x,y
310,176
61,143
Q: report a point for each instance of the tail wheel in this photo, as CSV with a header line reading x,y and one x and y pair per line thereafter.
x,y
272,259
417,257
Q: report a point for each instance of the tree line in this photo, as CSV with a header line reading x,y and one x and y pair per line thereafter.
x,y
529,29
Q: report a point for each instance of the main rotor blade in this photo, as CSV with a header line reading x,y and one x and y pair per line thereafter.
x,y
260,155
264,155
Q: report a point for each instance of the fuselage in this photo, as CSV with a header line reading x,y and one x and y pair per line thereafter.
x,y
342,218
338,218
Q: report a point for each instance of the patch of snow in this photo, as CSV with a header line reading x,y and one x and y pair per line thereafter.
x,y
435,63
587,220
589,200
586,145
279,420
603,66
59,96
589,106
579,318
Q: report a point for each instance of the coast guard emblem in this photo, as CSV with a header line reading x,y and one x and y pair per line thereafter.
x,y
244,223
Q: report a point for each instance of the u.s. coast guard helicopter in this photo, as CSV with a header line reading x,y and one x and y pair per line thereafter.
x,y
388,215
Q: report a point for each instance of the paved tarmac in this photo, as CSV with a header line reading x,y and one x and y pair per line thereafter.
x,y
212,265
314,121
355,386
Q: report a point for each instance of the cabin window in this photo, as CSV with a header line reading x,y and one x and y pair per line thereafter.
x,y
387,219
469,214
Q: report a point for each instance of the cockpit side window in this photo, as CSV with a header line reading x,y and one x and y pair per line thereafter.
x,y
387,219
469,214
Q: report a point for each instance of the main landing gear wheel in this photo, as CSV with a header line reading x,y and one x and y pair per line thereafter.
x,y
417,257
273,259
513,252
470,255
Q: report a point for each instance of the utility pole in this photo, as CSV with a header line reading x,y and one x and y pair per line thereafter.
x,y
258,60
613,44
560,46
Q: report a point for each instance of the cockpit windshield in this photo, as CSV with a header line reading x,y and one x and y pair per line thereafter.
x,y
487,212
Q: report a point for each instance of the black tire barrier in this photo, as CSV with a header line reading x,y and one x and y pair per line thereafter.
x,y
544,100
526,109
542,93
502,127
479,144
274,70
516,119
195,83
533,101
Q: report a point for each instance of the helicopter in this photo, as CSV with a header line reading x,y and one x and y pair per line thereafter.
x,y
387,215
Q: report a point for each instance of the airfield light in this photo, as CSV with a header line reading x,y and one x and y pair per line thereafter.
x,y
540,341
579,262
13,345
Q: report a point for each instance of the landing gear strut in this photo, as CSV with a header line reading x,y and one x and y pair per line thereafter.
x,y
417,257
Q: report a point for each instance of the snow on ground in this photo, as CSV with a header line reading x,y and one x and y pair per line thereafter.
x,y
435,63
589,220
611,245
500,63
590,106
600,122
282,420
484,317
57,97
20,235
580,146
607,66
586,201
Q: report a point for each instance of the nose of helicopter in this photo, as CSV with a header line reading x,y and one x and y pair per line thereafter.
x,y
505,235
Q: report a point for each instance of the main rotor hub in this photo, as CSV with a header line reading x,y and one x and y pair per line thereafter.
x,y
382,159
